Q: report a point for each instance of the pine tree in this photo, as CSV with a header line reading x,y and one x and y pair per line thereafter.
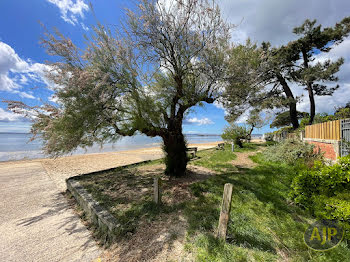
x,y
314,76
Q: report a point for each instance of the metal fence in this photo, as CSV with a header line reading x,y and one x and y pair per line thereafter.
x,y
329,130
345,137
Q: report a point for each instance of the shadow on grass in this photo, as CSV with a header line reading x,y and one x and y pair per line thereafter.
x,y
261,217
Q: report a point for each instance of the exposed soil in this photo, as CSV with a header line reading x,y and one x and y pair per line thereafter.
x,y
161,239
243,160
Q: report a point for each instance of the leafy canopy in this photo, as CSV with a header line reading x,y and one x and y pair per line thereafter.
x,y
142,78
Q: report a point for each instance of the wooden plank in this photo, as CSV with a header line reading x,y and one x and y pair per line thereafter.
x,y
338,129
225,211
157,193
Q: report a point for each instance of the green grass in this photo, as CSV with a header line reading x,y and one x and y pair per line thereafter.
x,y
215,159
264,225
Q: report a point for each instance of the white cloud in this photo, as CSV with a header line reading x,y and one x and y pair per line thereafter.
x,y
10,62
16,73
6,116
341,96
71,10
219,105
199,122
53,98
191,132
274,20
242,119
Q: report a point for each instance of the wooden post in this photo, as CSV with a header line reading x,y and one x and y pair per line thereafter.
x,y
157,193
225,211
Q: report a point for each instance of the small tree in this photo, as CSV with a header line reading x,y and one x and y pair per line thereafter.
x,y
256,120
235,133
144,79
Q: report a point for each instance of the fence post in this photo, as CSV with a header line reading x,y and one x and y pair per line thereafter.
x,y
225,211
157,193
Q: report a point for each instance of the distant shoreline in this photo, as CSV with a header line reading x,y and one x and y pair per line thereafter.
x,y
15,146
23,155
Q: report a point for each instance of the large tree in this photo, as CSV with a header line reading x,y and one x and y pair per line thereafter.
x,y
316,76
167,59
277,67
283,119
259,77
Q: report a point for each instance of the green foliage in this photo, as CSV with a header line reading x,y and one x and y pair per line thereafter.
x,y
322,180
263,225
292,151
324,190
244,90
268,137
283,119
315,77
342,113
235,133
142,78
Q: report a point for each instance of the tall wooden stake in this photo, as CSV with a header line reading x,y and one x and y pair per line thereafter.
x,y
157,193
225,211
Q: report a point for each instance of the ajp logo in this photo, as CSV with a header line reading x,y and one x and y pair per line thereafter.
x,y
323,235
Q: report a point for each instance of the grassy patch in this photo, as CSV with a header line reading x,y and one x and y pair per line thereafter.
x,y
215,159
264,225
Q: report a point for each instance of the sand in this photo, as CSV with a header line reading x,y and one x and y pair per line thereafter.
x,y
61,168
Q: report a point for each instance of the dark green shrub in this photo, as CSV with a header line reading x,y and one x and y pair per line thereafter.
x,y
291,151
325,190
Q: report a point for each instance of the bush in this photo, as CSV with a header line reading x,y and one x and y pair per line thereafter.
x,y
324,190
291,151
235,133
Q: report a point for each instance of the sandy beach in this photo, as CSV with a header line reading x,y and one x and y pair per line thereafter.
x,y
61,168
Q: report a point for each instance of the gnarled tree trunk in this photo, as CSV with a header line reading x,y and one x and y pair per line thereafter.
x,y
175,150
292,102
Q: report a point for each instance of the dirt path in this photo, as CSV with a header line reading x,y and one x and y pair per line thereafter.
x,y
243,160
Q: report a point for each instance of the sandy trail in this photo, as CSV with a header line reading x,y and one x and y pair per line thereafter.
x,y
36,221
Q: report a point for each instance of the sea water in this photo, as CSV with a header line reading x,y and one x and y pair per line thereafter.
x,y
16,146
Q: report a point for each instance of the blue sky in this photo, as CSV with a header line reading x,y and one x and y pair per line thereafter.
x,y
22,59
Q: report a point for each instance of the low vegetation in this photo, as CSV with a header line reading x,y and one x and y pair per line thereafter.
x,y
235,133
292,151
267,221
264,225
324,190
